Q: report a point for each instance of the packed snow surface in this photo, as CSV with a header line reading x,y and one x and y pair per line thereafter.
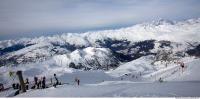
x,y
177,83
120,89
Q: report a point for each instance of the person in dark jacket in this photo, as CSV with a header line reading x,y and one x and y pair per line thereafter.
x,y
35,83
77,81
17,86
51,80
1,87
182,66
35,80
44,82
56,81
14,86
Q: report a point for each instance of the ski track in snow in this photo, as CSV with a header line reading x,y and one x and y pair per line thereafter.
x,y
100,84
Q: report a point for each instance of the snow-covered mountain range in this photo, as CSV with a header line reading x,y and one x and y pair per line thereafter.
x,y
116,46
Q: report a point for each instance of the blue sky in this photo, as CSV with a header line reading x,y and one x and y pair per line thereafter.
x,y
30,18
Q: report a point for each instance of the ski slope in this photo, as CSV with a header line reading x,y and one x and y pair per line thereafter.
x,y
120,89
104,84
191,73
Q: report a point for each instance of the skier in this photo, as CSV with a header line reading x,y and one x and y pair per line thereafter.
x,y
77,81
51,80
160,80
56,81
182,66
14,86
27,83
44,82
39,84
35,80
1,87
17,86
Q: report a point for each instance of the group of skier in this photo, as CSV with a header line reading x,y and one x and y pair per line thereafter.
x,y
41,83
38,83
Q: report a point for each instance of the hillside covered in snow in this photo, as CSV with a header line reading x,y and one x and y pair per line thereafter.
x,y
126,81
126,43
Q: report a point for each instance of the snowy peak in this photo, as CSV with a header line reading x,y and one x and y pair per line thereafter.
x,y
160,29
92,58
193,21
161,21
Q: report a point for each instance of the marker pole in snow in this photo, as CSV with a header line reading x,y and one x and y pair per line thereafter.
x,y
19,74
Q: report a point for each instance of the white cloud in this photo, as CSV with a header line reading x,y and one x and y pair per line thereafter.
x,y
29,16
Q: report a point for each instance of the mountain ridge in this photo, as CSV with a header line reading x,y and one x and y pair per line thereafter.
x,y
156,23
126,43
